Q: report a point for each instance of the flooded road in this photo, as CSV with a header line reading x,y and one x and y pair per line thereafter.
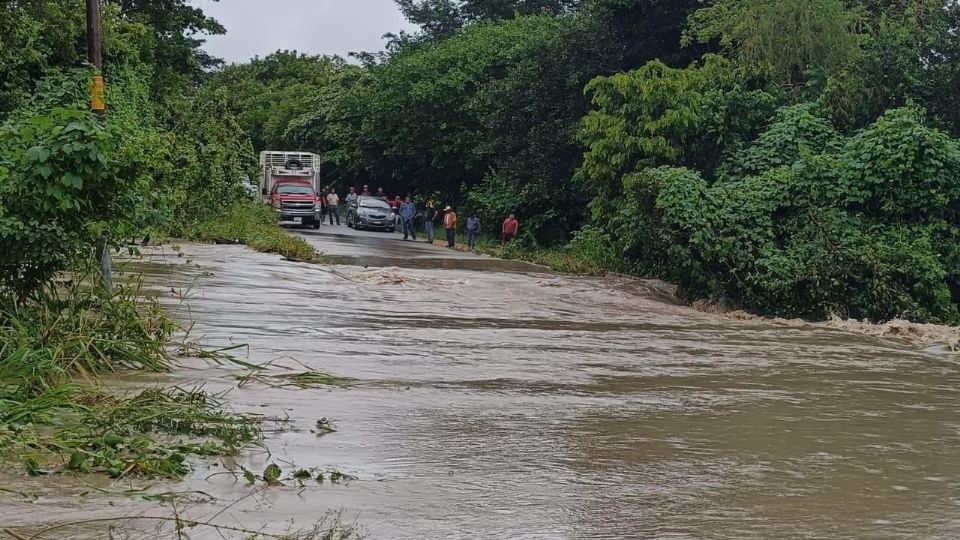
x,y
491,399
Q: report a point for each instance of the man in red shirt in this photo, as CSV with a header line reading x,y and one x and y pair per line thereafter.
x,y
510,228
395,207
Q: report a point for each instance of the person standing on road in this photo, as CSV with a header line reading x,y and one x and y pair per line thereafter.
x,y
333,206
510,228
429,218
450,225
323,204
407,212
352,196
473,230
366,191
395,205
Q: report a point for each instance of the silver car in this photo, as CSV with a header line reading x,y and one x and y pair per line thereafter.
x,y
371,213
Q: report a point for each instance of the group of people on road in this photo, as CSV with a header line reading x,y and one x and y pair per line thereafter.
x,y
508,230
407,213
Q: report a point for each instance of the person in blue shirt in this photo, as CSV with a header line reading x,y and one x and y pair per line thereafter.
x,y
473,230
407,212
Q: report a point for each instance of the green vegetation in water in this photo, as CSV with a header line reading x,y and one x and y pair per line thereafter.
x,y
254,225
273,475
301,380
53,416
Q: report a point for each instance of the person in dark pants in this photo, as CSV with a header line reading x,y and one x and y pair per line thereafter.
x,y
430,218
407,211
473,230
510,228
333,206
450,225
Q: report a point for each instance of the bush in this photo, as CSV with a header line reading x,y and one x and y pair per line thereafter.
x,y
857,230
58,189
595,247
254,225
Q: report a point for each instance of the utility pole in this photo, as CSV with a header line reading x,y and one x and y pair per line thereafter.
x,y
94,53
98,106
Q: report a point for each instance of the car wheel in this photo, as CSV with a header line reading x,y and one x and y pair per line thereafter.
x,y
316,225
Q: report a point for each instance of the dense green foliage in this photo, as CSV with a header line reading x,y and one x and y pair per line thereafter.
x,y
822,34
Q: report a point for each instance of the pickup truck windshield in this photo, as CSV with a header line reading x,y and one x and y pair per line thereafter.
x,y
293,189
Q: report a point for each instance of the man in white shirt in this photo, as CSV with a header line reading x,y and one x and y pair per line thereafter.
x,y
333,206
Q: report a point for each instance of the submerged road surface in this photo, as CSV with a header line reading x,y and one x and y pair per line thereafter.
x,y
490,399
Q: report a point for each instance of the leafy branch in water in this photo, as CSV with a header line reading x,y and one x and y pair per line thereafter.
x,y
273,475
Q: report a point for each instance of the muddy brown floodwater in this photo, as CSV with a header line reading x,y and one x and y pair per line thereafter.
x,y
491,399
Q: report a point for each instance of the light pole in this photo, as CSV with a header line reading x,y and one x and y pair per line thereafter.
x,y
98,106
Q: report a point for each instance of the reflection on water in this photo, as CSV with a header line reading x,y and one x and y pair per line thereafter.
x,y
503,403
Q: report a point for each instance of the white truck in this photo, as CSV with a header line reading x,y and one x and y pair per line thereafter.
x,y
276,166
290,183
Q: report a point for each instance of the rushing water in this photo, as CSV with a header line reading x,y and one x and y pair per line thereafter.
x,y
495,400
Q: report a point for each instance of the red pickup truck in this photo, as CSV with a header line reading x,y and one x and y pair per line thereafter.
x,y
295,199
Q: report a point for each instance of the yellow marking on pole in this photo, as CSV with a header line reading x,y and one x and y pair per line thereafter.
x,y
98,102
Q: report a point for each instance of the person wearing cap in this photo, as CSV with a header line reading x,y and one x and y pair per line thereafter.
x,y
450,225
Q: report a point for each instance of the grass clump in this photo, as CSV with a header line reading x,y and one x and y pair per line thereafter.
x,y
68,331
55,418
254,225
130,436
300,380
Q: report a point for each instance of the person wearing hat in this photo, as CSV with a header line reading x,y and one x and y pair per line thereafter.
x,y
450,225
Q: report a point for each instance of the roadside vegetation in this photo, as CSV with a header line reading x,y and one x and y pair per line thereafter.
x,y
254,225
793,158
166,159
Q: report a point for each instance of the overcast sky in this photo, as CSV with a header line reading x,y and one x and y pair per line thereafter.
x,y
260,27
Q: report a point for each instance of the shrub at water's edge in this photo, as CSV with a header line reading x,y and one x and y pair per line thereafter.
x,y
254,225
